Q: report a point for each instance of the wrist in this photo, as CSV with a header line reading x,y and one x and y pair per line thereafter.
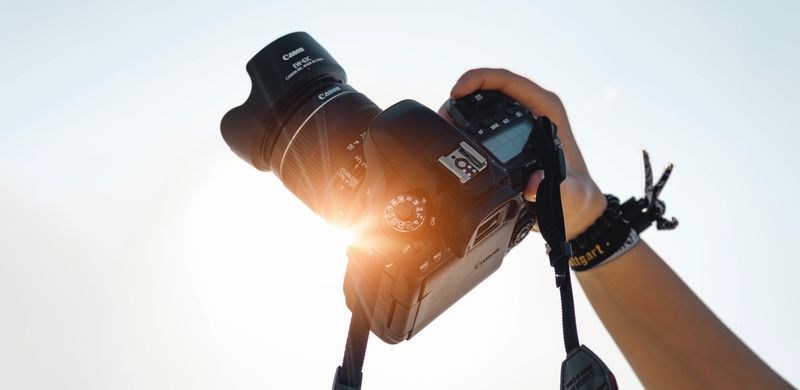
x,y
592,209
616,230
610,236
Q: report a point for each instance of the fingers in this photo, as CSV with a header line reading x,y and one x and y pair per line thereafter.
x,y
533,186
539,100
443,113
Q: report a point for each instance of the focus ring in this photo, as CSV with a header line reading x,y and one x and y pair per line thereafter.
x,y
321,147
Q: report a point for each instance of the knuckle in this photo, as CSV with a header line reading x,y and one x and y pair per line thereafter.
x,y
475,71
554,98
503,77
507,75
472,73
504,72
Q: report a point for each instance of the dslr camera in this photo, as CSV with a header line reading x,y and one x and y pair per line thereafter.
x,y
435,206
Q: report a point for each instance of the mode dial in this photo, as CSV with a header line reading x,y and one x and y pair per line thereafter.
x,y
405,213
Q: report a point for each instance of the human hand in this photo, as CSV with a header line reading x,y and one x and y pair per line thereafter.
x,y
582,200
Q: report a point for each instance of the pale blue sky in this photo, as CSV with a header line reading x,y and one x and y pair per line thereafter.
x,y
138,252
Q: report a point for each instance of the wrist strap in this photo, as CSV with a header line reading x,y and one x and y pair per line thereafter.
x,y
582,369
617,230
550,215
349,376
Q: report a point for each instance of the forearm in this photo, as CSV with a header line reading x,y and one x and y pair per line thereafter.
x,y
670,338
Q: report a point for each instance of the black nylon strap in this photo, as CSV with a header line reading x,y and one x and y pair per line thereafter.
x,y
550,216
568,324
551,224
349,375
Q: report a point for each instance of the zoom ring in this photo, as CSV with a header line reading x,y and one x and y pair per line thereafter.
x,y
322,147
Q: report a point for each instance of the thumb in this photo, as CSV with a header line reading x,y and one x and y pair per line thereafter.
x,y
533,185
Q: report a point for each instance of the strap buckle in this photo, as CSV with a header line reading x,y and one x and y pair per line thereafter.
x,y
341,381
559,255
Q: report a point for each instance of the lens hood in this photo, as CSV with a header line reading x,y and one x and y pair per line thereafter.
x,y
282,75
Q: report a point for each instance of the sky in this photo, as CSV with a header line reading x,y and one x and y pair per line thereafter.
x,y
138,252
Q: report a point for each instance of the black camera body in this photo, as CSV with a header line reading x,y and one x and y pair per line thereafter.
x,y
445,206
435,207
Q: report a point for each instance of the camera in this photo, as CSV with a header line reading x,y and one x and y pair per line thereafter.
x,y
436,206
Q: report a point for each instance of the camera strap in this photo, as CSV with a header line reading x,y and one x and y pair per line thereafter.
x,y
349,375
582,369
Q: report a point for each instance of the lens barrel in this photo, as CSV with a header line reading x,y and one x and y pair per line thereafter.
x,y
319,156
303,122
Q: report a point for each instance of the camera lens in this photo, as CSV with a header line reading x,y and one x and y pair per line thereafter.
x,y
304,123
